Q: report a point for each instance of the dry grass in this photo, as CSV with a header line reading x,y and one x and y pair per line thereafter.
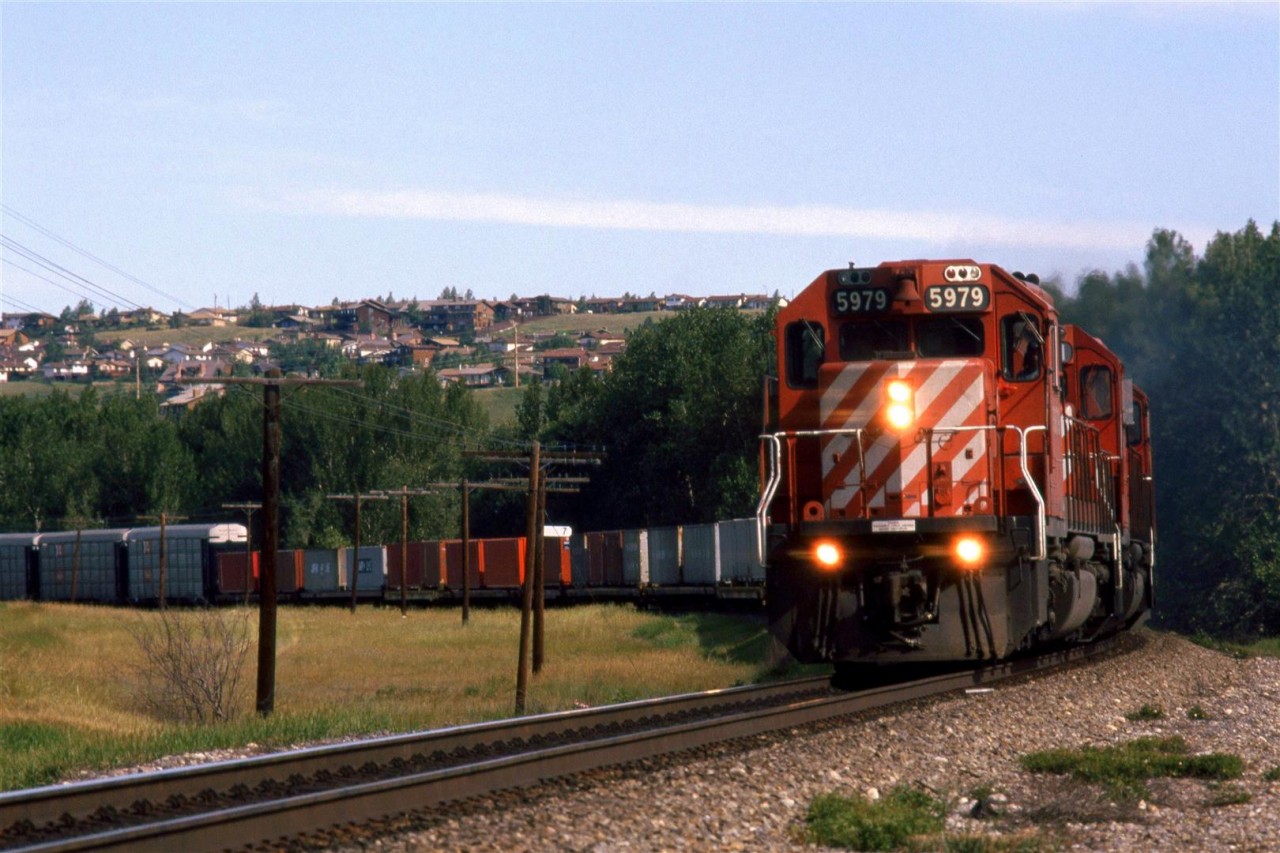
x,y
69,680
185,335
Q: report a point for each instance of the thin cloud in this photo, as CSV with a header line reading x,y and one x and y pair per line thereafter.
x,y
799,220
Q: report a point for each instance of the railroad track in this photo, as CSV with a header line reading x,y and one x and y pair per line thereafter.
x,y
271,798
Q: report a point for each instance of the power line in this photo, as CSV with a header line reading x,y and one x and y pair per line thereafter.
x,y
15,301
58,269
87,254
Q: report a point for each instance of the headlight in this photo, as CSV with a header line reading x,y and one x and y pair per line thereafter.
x,y
900,411
827,555
970,552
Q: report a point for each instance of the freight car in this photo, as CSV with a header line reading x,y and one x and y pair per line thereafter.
x,y
208,563
950,473
116,566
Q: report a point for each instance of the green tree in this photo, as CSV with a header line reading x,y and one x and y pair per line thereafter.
x,y
679,415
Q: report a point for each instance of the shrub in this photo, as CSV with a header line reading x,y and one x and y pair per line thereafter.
x,y
886,824
1124,768
191,663
1229,795
1145,713
1195,712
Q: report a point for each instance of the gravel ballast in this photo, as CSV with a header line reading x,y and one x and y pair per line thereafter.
x,y
754,796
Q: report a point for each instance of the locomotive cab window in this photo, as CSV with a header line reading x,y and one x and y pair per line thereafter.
x,y
1134,432
948,337
806,348
1095,383
867,340
1021,348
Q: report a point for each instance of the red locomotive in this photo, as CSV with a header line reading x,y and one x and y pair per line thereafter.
x,y
949,472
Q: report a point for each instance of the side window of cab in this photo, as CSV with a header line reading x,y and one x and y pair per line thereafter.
x,y
806,348
1095,388
1021,348
1135,433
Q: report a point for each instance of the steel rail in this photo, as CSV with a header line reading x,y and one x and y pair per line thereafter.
x,y
50,804
365,801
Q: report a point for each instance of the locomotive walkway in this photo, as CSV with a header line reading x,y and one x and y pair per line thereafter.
x,y
272,798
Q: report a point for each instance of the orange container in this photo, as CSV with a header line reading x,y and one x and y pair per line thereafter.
x,y
556,568
453,562
503,563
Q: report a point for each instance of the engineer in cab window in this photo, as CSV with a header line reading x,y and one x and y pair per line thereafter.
x,y
1023,350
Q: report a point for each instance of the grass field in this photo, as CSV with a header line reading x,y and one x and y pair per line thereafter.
x,y
616,323
499,403
36,388
185,335
18,389
70,681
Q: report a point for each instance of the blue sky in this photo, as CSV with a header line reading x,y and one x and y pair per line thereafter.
x,y
306,152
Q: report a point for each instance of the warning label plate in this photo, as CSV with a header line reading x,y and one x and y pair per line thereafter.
x,y
894,525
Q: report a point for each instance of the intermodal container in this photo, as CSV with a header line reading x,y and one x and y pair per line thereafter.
x,y
557,561
418,574
635,557
579,560
739,560
324,570
231,575
453,562
701,553
372,565
504,562
290,572
664,556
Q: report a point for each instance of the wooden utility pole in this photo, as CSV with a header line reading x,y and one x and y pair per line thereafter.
x,y
539,586
355,570
539,485
248,542
270,383
526,599
466,551
164,518
404,493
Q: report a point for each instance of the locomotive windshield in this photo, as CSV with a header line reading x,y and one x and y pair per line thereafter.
x,y
862,340
924,337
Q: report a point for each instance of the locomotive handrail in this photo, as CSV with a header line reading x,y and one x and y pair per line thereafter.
x,y
1042,542
775,473
766,497
1041,522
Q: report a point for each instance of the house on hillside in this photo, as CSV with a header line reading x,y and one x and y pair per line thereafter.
x,y
210,317
570,358
482,376
763,302
681,301
192,369
189,397
544,306
12,338
640,304
460,316
599,338
734,302
607,305
143,317
366,315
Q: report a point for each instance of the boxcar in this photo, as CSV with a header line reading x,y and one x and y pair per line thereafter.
x,y
18,561
86,565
